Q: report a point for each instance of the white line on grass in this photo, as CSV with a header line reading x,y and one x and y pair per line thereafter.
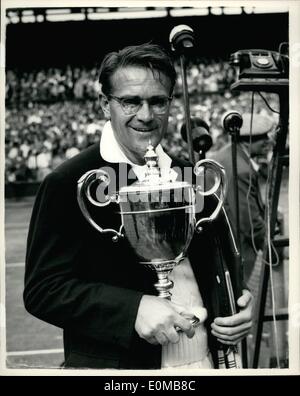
x,y
12,265
37,352
11,225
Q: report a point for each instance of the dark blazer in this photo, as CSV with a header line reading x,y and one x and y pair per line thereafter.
x,y
88,285
256,205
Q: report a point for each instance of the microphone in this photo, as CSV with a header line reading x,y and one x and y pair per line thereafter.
x,y
201,139
181,38
232,120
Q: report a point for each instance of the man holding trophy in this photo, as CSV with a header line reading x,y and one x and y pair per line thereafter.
x,y
91,278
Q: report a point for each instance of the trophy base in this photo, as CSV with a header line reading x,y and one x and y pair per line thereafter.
x,y
194,320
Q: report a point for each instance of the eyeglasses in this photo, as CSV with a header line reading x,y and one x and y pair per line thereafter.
x,y
131,105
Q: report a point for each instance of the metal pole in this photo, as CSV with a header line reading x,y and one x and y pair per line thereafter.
x,y
187,109
273,198
234,138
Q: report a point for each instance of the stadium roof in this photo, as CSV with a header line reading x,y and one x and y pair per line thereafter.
x,y
33,15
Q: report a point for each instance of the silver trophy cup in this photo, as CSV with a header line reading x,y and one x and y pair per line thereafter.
x,y
157,218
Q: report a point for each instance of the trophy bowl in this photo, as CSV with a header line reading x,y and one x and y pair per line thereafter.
x,y
159,225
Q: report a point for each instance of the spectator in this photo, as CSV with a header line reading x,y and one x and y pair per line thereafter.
x,y
253,142
52,106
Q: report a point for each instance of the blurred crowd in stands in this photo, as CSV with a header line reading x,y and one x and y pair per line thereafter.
x,y
53,114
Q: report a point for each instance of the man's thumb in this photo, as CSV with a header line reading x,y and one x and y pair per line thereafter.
x,y
244,299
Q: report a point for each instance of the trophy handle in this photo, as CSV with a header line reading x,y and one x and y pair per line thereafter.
x,y
84,185
220,181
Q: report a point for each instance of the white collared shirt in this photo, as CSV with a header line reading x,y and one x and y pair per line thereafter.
x,y
188,352
111,151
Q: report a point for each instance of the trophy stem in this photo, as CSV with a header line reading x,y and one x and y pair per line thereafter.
x,y
164,284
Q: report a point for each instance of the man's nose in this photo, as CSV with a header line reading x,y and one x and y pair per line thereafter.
x,y
145,112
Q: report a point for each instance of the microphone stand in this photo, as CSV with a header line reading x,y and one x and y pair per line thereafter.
x,y
227,357
234,131
187,109
230,359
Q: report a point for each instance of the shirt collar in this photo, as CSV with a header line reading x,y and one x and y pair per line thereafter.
x,y
111,151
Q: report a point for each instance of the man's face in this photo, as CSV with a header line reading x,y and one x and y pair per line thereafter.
x,y
133,132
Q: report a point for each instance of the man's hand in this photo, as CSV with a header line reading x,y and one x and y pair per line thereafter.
x,y
157,320
231,330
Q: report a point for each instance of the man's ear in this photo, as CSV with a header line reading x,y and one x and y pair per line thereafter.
x,y
105,106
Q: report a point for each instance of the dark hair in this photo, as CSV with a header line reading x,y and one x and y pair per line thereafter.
x,y
150,56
